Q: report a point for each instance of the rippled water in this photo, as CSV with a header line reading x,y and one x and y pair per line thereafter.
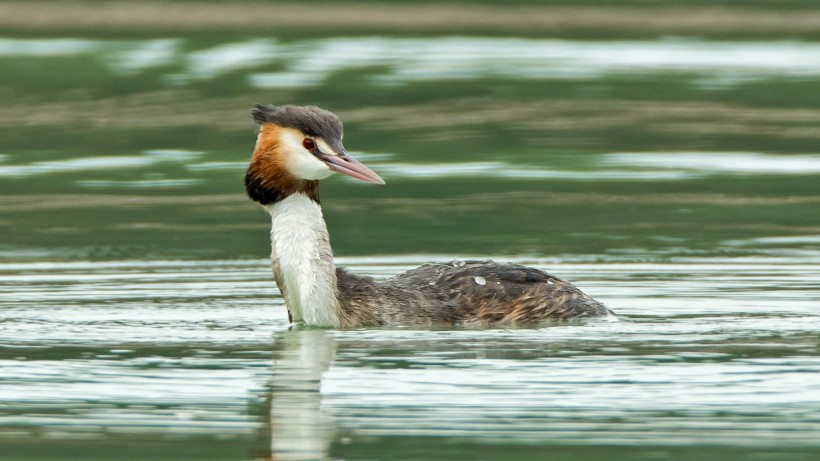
x,y
673,178
310,62
710,352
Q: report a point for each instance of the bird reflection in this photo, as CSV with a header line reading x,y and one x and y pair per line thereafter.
x,y
299,430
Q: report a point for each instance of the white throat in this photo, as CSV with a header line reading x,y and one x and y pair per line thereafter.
x,y
303,261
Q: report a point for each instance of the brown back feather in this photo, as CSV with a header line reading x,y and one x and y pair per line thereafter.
x,y
466,292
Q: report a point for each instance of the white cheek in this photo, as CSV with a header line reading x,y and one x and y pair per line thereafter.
x,y
300,162
306,166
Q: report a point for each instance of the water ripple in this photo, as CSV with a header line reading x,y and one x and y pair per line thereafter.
x,y
710,349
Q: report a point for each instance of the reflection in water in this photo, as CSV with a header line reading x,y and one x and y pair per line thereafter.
x,y
299,428
720,162
414,59
634,166
90,164
312,61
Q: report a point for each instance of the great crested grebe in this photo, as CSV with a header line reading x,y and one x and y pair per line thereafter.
x,y
296,147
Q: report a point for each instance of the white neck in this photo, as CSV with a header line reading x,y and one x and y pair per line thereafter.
x,y
303,261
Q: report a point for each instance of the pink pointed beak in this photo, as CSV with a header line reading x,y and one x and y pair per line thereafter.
x,y
345,164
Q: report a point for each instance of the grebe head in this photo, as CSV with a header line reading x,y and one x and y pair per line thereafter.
x,y
299,145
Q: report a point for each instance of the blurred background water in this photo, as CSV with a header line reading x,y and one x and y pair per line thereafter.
x,y
662,155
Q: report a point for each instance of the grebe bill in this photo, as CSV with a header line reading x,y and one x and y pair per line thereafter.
x,y
299,145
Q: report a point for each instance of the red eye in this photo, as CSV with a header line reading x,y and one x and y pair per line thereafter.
x,y
309,144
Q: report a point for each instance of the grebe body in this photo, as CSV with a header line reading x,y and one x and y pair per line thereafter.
x,y
298,146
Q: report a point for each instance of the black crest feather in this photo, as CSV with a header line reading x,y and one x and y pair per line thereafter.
x,y
311,120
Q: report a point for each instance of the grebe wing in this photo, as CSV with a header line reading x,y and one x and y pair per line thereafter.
x,y
463,292
491,292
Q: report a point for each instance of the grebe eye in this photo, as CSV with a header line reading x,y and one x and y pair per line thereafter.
x,y
309,144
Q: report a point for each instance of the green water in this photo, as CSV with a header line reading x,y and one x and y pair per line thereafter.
x,y
674,178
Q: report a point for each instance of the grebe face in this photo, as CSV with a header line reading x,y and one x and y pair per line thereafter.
x,y
302,154
302,142
312,157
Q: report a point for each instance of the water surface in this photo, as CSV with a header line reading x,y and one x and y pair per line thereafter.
x,y
673,178
709,352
